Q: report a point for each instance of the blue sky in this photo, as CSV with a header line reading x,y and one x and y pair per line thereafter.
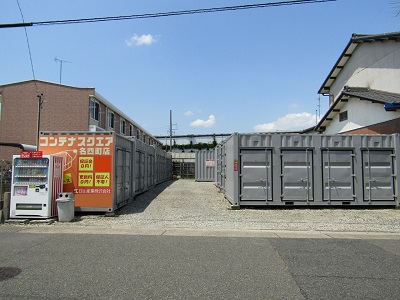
x,y
236,71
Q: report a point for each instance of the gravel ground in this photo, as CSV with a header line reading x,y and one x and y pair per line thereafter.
x,y
199,205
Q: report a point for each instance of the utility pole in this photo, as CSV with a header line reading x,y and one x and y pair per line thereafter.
x,y
61,63
40,104
170,130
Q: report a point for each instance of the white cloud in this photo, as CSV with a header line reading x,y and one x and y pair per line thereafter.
x,y
201,123
189,113
145,39
289,122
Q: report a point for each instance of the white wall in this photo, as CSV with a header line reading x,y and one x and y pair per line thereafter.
x,y
373,65
360,113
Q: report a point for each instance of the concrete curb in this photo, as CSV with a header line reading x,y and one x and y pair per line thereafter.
x,y
190,232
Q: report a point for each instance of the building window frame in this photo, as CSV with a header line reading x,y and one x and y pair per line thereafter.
x,y
122,126
138,133
131,130
94,108
110,119
343,116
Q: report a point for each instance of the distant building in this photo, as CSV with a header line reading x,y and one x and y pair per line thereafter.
x,y
363,87
65,108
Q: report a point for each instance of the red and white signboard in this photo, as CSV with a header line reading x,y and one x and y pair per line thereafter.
x,y
31,154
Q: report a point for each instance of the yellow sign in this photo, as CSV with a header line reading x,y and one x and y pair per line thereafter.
x,y
102,179
85,179
86,163
67,178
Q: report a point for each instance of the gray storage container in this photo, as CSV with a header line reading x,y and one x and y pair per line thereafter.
x,y
309,170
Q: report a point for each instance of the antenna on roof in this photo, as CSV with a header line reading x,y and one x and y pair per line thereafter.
x,y
61,63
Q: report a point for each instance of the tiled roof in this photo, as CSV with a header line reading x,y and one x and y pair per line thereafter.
x,y
373,95
360,93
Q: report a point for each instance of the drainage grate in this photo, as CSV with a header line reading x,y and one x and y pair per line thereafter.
x,y
7,273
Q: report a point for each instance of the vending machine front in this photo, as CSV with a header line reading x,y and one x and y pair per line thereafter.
x,y
36,181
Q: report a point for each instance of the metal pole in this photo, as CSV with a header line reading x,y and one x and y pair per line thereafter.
x,y
40,102
170,130
61,62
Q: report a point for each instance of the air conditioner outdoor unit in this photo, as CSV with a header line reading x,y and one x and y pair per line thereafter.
x,y
94,128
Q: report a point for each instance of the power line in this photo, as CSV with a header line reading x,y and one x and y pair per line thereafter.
x,y
165,14
29,48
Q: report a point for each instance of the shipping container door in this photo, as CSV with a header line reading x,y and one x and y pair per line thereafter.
x,y
127,175
297,175
142,170
378,175
150,175
338,179
223,168
137,171
146,171
255,175
120,174
123,176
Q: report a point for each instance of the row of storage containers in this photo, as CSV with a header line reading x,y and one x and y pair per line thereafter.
x,y
309,170
104,170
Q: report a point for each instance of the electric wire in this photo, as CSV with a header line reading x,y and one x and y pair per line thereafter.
x,y
166,14
29,48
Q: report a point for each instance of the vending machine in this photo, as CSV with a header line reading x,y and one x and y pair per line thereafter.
x,y
36,182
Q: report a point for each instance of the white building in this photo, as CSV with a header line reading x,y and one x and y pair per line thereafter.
x,y
364,87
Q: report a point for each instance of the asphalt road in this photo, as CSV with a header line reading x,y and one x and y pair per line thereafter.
x,y
59,265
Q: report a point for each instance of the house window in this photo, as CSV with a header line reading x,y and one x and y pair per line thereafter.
x,y
138,134
94,110
122,126
343,116
144,138
131,131
110,119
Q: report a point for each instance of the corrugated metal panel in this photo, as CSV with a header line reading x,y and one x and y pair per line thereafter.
x,y
297,175
205,165
338,177
256,175
378,176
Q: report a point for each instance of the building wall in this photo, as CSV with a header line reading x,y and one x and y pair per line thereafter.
x,y
64,108
360,114
392,126
374,65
